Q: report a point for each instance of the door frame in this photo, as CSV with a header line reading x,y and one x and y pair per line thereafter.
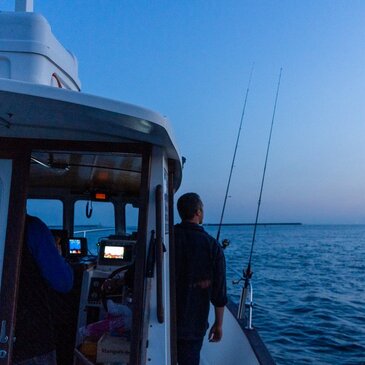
x,y
21,161
13,247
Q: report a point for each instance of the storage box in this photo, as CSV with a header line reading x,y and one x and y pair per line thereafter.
x,y
113,349
88,348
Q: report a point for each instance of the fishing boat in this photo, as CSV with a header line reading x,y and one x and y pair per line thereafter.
x,y
79,153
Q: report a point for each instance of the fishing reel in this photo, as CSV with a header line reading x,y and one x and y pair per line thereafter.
x,y
225,243
246,275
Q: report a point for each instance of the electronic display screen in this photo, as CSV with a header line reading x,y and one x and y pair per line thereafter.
x,y
114,252
75,246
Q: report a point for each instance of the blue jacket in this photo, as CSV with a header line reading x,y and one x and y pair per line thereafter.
x,y
54,269
42,270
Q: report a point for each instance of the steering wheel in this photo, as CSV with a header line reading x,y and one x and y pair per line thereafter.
x,y
111,287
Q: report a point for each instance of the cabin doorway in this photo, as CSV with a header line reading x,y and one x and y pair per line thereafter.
x,y
71,174
14,171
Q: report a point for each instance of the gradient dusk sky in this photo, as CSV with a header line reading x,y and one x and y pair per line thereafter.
x,y
191,60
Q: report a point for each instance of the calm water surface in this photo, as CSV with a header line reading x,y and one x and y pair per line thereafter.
x,y
309,290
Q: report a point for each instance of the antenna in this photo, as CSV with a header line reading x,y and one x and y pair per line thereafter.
x,y
24,5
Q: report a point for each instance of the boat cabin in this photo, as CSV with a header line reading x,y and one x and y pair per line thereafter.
x,y
78,183
102,175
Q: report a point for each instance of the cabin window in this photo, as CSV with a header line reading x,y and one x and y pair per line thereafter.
x,y
131,218
100,224
50,211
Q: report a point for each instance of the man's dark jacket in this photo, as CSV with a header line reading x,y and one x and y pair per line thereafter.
x,y
200,279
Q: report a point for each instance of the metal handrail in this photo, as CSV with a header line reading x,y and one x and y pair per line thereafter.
x,y
84,231
159,254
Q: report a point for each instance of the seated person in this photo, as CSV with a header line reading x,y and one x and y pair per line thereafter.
x,y
42,270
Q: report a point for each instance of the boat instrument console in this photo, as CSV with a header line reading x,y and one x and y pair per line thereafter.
x,y
114,267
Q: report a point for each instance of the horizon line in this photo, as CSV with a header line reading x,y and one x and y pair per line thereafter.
x,y
259,224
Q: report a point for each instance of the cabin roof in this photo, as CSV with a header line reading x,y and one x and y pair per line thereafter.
x,y
43,112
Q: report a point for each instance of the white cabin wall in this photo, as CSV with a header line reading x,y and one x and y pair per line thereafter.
x,y
158,351
39,70
5,182
4,68
30,52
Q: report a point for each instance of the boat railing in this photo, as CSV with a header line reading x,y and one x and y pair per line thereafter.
x,y
85,231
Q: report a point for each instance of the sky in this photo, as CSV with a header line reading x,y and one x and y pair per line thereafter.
x,y
191,60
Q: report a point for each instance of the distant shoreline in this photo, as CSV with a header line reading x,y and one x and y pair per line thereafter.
x,y
252,224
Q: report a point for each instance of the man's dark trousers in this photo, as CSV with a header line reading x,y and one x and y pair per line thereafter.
x,y
188,351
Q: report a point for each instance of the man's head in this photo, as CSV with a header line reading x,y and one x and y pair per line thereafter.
x,y
190,208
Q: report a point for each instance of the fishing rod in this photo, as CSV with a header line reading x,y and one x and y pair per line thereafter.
x,y
246,294
226,242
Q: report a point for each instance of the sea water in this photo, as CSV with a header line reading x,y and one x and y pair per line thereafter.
x,y
309,289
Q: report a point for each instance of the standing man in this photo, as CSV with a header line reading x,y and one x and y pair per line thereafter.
x,y
42,270
200,279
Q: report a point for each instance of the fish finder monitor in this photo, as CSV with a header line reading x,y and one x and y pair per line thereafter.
x,y
115,252
77,246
